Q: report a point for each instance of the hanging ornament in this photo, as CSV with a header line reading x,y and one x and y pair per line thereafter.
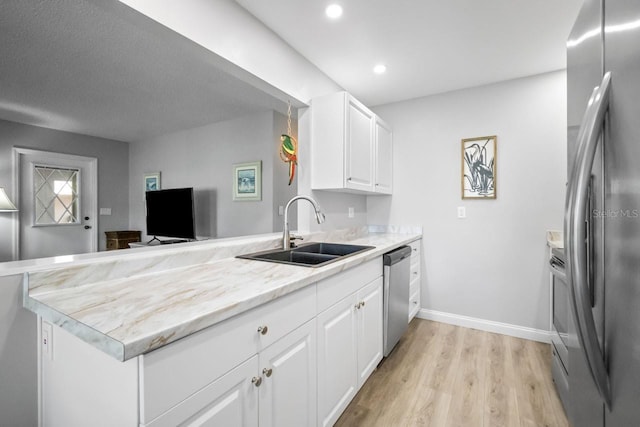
x,y
289,152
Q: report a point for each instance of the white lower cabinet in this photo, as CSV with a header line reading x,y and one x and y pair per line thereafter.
x,y
349,349
369,329
337,359
414,285
296,361
229,401
275,388
288,372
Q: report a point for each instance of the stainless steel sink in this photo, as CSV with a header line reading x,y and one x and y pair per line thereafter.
x,y
308,255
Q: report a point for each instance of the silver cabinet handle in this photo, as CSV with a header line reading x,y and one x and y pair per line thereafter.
x,y
267,372
575,216
256,381
263,330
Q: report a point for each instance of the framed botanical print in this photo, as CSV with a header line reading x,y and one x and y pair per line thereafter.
x,y
479,167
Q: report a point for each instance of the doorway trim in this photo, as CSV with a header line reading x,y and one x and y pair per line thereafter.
x,y
92,185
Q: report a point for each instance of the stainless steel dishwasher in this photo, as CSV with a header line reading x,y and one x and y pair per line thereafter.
x,y
396,296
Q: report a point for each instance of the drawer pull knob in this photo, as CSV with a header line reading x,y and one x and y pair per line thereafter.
x,y
362,303
263,330
256,381
357,306
267,372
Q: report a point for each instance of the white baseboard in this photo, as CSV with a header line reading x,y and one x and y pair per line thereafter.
x,y
486,325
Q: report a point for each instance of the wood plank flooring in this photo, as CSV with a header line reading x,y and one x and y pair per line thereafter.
x,y
441,375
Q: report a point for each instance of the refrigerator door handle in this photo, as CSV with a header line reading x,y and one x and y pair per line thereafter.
x,y
576,236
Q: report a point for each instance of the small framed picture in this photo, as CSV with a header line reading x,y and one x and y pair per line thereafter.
x,y
151,181
247,181
479,167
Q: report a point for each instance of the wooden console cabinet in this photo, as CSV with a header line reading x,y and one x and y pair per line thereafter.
x,y
121,239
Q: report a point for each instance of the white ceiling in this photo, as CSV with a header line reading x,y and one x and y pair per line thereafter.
x,y
99,68
428,46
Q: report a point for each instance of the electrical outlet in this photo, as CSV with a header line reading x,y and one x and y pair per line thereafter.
x,y
47,340
280,210
462,212
352,212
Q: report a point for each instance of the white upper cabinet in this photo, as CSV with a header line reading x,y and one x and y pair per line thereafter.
x,y
351,147
384,157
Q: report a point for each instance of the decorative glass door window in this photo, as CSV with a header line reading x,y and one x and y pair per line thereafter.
x,y
56,195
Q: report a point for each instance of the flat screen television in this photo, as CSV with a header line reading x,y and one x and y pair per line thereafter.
x,y
170,213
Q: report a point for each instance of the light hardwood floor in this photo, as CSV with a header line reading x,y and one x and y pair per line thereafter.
x,y
442,375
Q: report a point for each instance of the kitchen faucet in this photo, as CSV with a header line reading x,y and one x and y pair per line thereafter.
x,y
286,237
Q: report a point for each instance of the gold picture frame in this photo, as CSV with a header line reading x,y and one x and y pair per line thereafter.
x,y
479,167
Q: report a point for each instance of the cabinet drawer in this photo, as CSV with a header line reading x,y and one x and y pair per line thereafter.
x,y
172,373
335,288
414,286
415,249
414,304
414,271
231,400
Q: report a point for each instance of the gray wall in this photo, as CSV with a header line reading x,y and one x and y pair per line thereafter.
x,y
18,366
203,158
493,264
113,172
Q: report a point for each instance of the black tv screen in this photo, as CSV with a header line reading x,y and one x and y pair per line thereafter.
x,y
170,213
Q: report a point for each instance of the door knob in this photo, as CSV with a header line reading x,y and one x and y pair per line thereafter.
x,y
86,218
87,227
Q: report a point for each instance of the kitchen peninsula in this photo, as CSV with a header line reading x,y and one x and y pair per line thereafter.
x,y
187,334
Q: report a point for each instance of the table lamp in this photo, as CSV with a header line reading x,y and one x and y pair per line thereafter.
x,y
5,203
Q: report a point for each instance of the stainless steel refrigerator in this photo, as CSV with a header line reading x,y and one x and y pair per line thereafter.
x,y
602,218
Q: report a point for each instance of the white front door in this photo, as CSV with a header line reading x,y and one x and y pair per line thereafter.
x,y
57,198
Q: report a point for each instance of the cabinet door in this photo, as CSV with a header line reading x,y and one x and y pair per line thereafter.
x,y
288,369
337,359
369,329
231,400
384,158
359,147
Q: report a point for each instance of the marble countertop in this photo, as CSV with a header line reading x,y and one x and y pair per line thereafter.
x,y
555,239
128,308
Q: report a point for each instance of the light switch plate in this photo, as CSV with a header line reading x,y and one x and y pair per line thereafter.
x,y
352,212
105,211
462,212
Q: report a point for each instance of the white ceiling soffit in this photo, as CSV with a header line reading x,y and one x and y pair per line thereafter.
x,y
428,46
99,68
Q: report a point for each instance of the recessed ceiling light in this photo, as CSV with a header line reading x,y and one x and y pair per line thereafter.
x,y
333,11
379,69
